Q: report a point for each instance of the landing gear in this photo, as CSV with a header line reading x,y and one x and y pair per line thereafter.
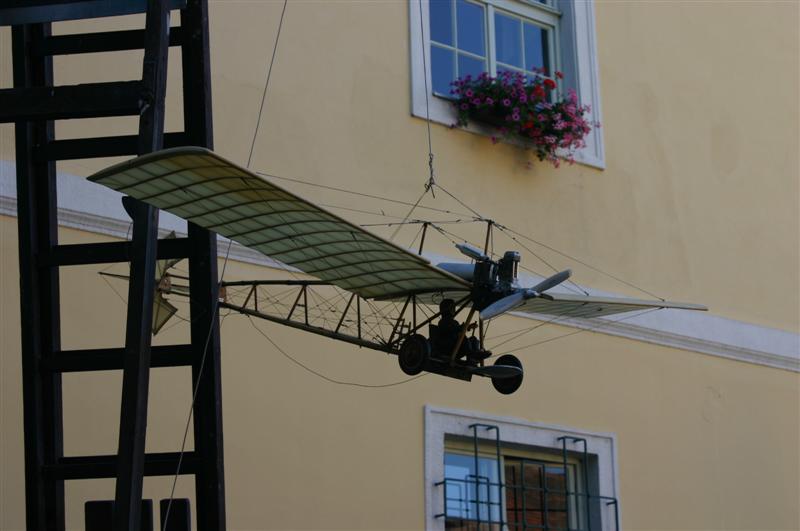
x,y
507,385
414,354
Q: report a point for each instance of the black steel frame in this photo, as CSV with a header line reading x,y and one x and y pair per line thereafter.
x,y
33,104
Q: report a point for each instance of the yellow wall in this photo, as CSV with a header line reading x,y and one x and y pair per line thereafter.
x,y
699,201
704,443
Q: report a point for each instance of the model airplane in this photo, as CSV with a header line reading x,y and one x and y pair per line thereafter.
x,y
365,274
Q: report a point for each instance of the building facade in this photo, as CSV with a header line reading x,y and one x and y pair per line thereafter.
x,y
690,190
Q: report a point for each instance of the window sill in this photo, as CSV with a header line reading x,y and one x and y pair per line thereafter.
x,y
442,112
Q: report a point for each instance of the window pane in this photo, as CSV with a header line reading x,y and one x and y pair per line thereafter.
x,y
508,39
536,48
505,68
442,69
470,65
463,499
556,498
471,27
442,21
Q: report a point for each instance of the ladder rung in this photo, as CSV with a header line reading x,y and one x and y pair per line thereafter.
x,y
35,11
105,146
90,100
107,359
105,466
105,41
75,254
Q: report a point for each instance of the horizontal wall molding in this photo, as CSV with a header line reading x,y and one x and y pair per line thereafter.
x,y
96,209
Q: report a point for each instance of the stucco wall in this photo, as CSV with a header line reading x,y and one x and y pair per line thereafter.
x,y
699,202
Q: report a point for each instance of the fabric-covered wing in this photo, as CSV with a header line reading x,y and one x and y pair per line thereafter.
x,y
586,306
201,187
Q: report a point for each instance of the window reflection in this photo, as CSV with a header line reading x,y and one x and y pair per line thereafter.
x,y
458,42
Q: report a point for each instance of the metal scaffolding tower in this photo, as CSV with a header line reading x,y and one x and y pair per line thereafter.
x,y
33,104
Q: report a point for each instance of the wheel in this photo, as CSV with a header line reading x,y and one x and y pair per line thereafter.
x,y
414,354
507,386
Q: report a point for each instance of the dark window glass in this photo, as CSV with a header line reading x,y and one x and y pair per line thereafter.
x,y
508,39
470,65
442,69
535,491
471,36
536,48
442,21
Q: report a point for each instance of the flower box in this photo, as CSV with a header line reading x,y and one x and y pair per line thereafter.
x,y
527,110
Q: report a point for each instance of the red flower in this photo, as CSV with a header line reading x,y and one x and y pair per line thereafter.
x,y
559,75
538,91
549,83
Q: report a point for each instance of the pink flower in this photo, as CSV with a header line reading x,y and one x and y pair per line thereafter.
x,y
551,124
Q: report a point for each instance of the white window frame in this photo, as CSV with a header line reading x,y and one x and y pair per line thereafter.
x,y
575,53
441,422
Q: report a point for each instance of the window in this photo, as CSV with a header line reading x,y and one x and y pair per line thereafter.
x,y
498,473
468,37
531,490
461,37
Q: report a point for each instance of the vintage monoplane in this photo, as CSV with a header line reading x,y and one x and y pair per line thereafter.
x,y
365,290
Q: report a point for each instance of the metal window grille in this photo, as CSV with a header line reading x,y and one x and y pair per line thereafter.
x,y
518,493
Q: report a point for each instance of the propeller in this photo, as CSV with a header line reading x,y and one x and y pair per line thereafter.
x,y
472,251
163,310
516,299
551,282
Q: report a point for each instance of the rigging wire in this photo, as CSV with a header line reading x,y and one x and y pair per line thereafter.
x,y
361,194
503,229
575,332
552,320
360,211
328,378
413,207
214,309
459,201
419,222
266,84
431,178
593,268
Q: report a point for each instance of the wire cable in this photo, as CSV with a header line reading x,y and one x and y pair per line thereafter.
x,y
194,392
575,332
593,268
328,378
408,215
361,194
266,84
431,179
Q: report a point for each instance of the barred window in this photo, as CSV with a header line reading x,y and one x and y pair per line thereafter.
x,y
517,476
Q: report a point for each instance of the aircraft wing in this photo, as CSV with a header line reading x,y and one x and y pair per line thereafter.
x,y
587,306
201,187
